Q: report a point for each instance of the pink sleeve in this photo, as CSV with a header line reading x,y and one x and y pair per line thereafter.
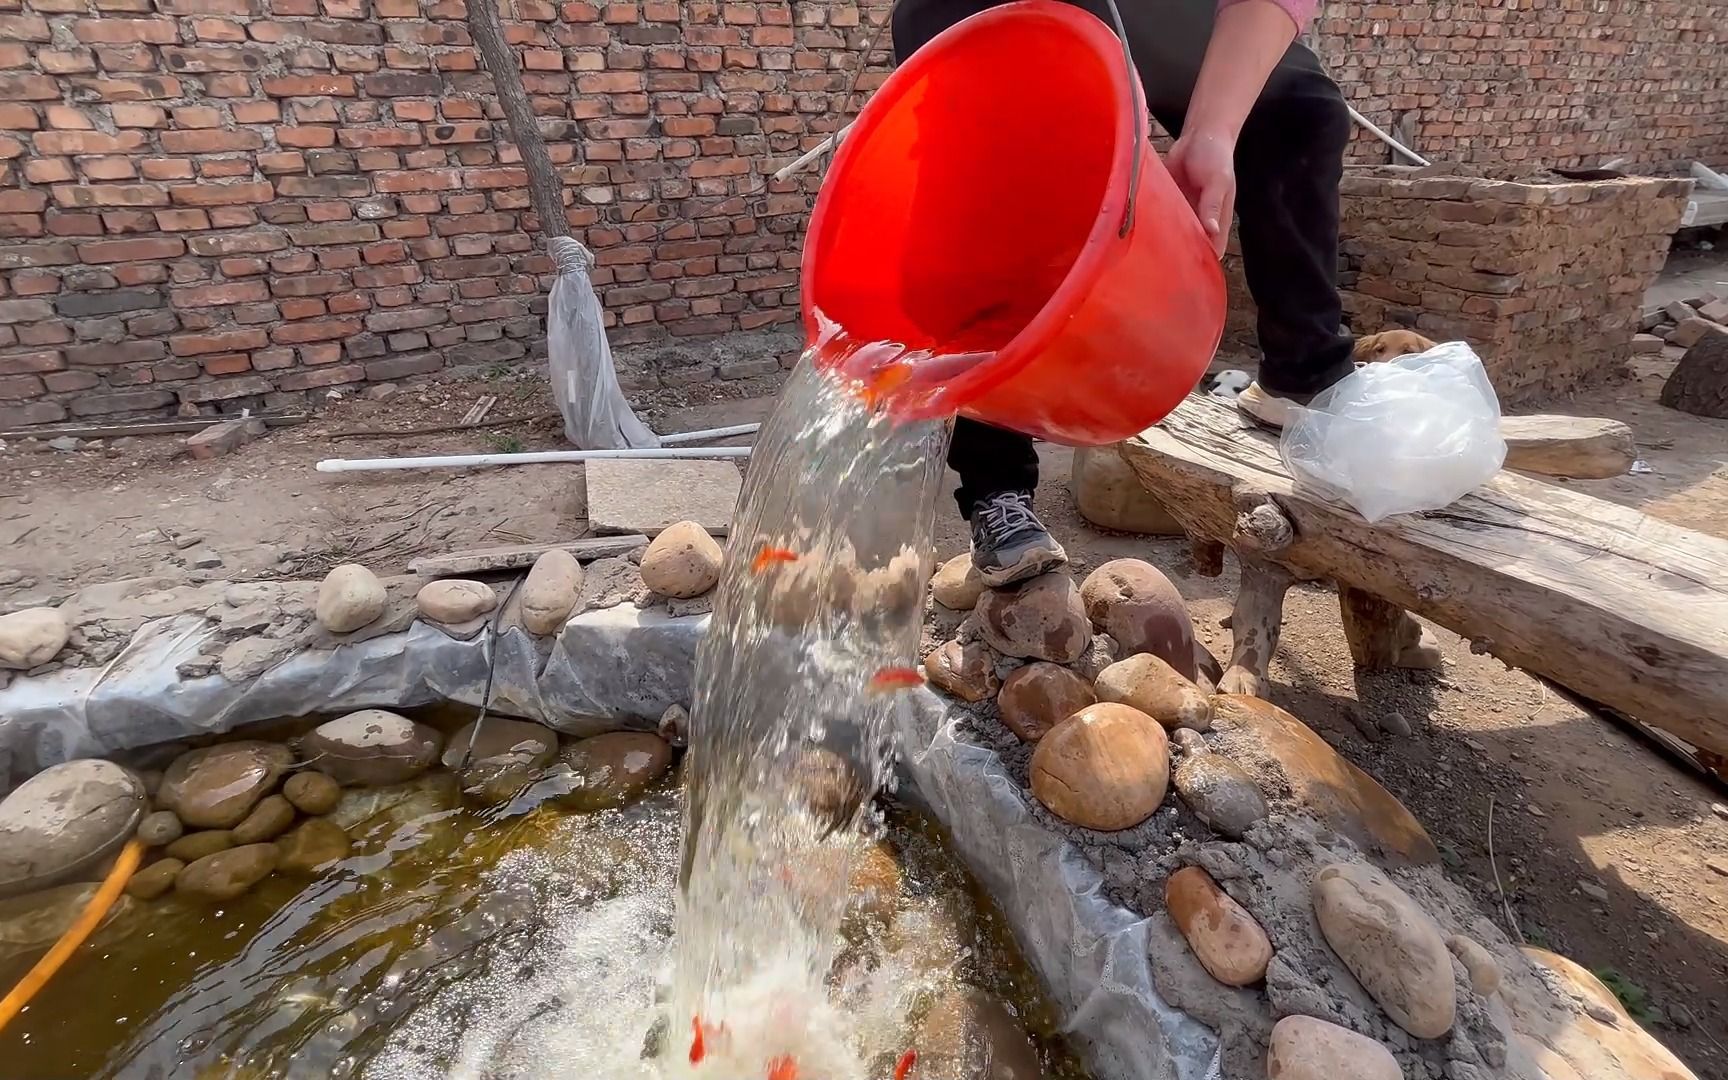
x,y
1300,11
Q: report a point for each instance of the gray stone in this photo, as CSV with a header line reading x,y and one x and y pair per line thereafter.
x,y
609,770
626,496
372,747
34,921
194,846
65,820
312,792
500,738
227,874
268,820
1220,792
160,829
31,637
312,845
455,601
350,597
215,788
155,879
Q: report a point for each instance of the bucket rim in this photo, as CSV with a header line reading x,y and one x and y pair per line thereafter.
x,y
1131,137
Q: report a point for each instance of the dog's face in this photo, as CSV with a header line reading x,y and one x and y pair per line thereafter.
x,y
1389,344
1228,383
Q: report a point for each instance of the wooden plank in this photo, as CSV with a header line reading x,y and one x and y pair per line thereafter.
x,y
1579,447
1620,607
517,556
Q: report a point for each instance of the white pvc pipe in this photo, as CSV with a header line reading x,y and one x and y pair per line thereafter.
x,y
542,457
709,433
1385,138
803,160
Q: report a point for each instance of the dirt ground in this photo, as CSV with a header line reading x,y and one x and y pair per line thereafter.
x,y
1602,849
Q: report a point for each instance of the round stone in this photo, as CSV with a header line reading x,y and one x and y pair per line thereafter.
x,y
216,787
349,597
969,1033
160,828
155,879
550,591
501,740
1037,697
1478,962
957,585
613,769
65,820
31,637
1109,494
874,890
1390,944
829,786
1136,604
1226,940
227,874
1578,978
682,562
312,792
1147,683
1304,1048
968,671
34,921
311,846
194,846
372,747
268,820
453,601
1041,619
1107,767
1220,792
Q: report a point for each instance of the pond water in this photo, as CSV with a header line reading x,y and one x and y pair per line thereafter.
x,y
513,941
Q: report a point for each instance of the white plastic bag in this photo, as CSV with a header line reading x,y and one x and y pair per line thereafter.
x,y
596,415
1399,437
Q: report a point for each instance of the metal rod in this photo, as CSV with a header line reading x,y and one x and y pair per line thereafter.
x,y
709,433
542,457
802,161
1385,138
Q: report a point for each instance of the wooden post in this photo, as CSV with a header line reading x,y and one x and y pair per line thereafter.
x,y
545,188
1383,635
1262,531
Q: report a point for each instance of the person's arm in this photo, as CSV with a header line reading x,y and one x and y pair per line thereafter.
x,y
1248,39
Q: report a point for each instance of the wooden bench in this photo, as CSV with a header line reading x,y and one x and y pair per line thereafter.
x,y
1617,606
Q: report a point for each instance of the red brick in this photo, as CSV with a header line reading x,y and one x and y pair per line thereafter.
x,y
222,194
87,195
226,363
201,60
223,341
319,330
99,253
68,382
27,87
232,292
182,220
242,267
321,377
419,180
125,31
256,112
55,143
310,86
306,308
32,363
308,137
210,142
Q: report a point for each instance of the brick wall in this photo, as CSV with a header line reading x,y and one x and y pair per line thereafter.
x,y
217,203
1550,82
210,204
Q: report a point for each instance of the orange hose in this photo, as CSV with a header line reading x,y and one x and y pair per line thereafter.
x,y
88,919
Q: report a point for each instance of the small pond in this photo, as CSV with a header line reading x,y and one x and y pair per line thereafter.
x,y
513,939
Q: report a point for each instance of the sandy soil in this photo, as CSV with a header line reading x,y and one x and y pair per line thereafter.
x,y
1602,848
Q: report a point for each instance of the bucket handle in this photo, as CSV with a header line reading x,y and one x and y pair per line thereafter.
x,y
1138,111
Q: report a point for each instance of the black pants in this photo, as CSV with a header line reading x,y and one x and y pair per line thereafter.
x,y
1289,159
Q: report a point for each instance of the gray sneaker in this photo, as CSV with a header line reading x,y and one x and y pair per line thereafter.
x,y
1009,543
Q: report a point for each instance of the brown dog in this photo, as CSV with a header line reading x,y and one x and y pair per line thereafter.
x,y
1388,344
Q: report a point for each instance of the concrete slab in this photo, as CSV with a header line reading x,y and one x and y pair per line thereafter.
x,y
626,496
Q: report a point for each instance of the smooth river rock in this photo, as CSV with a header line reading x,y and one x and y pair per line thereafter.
x,y
311,846
66,820
1390,944
312,792
1037,697
550,591
1226,940
1270,742
454,601
1304,1048
501,738
34,921
155,879
970,1035
372,747
682,562
610,770
1133,602
1155,688
31,637
968,671
349,597
194,846
1041,619
956,585
1484,970
216,787
1107,767
1220,792
268,820
160,828
227,874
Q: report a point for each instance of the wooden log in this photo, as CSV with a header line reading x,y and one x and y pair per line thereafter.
x,y
1618,606
1255,623
1578,447
516,556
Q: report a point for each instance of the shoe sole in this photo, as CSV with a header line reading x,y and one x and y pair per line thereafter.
x,y
1030,565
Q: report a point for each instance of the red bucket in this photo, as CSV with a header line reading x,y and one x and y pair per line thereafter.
x,y
980,205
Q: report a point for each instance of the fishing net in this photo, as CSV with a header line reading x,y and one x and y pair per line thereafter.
x,y
596,415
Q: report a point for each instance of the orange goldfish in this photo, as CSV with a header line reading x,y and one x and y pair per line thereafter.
x,y
895,678
700,1033
769,556
884,382
782,1068
904,1066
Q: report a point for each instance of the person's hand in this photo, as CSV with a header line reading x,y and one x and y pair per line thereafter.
x,y
1204,167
